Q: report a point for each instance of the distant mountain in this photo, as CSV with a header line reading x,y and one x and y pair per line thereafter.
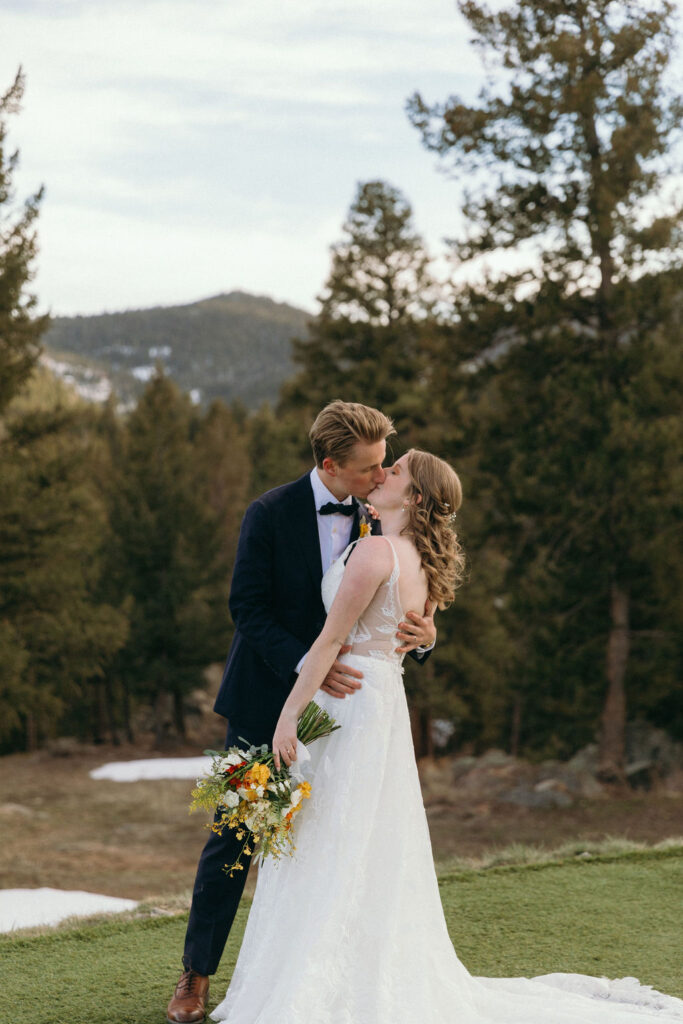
x,y
229,346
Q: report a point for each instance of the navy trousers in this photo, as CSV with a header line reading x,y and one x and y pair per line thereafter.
x,y
216,896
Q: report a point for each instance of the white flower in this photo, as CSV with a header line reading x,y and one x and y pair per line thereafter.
x,y
230,798
233,758
256,817
296,797
242,790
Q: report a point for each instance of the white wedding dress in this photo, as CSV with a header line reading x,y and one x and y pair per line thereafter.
x,y
350,930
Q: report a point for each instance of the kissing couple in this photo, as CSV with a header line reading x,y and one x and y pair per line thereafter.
x,y
326,605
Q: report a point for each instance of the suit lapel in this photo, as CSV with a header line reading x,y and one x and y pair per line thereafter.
x,y
355,525
360,517
305,522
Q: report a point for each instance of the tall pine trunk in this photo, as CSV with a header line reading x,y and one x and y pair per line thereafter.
x,y
612,733
127,717
31,732
111,715
179,713
99,713
421,727
516,725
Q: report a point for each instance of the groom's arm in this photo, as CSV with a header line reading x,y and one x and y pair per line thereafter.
x,y
420,656
251,595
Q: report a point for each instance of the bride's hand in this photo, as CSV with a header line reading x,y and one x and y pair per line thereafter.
x,y
284,741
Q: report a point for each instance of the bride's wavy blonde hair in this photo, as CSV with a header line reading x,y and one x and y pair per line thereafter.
x,y
431,523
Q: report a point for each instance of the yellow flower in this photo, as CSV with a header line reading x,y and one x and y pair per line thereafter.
x,y
305,788
364,530
258,774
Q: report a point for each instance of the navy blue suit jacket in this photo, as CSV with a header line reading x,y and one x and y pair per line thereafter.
x,y
275,604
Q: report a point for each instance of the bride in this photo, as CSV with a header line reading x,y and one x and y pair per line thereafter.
x,y
350,930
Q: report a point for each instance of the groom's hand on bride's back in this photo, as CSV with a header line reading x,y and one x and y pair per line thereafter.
x,y
342,680
417,630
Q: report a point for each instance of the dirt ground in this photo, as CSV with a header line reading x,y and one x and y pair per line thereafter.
x,y
61,828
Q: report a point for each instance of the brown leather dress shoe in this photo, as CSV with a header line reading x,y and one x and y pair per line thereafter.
x,y
188,1005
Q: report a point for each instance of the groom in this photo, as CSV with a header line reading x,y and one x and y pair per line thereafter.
x,y
289,537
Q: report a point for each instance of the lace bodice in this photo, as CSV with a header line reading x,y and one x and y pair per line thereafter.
x,y
374,633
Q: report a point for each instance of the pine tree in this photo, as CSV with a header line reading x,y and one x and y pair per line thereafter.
x,y
167,557
377,339
19,331
223,472
370,340
562,350
56,638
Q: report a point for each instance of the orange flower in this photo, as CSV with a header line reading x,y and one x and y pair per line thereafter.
x,y
257,775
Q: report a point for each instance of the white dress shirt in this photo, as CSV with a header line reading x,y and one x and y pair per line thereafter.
x,y
334,530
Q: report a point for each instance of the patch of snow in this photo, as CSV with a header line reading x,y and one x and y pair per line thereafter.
x,y
153,768
88,383
98,391
143,373
57,366
28,908
159,351
196,395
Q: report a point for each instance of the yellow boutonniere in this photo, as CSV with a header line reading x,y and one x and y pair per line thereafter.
x,y
364,530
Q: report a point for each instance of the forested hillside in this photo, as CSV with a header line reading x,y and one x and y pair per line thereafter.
x,y
228,346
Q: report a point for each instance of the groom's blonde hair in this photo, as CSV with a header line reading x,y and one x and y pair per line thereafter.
x,y
341,425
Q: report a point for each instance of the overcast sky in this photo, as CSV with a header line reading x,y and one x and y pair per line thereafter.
x,y
190,147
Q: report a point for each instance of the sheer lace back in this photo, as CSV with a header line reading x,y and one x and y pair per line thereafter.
x,y
374,633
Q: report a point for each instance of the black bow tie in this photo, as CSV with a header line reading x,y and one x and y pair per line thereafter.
x,y
332,507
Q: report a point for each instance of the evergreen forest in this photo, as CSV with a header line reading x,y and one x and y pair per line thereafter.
x,y
545,366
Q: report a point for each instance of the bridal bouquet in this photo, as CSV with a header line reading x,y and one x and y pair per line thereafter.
x,y
255,799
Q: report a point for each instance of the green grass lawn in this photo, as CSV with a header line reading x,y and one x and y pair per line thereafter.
x,y
610,916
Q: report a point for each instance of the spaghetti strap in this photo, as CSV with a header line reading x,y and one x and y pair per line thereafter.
x,y
392,548
351,548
